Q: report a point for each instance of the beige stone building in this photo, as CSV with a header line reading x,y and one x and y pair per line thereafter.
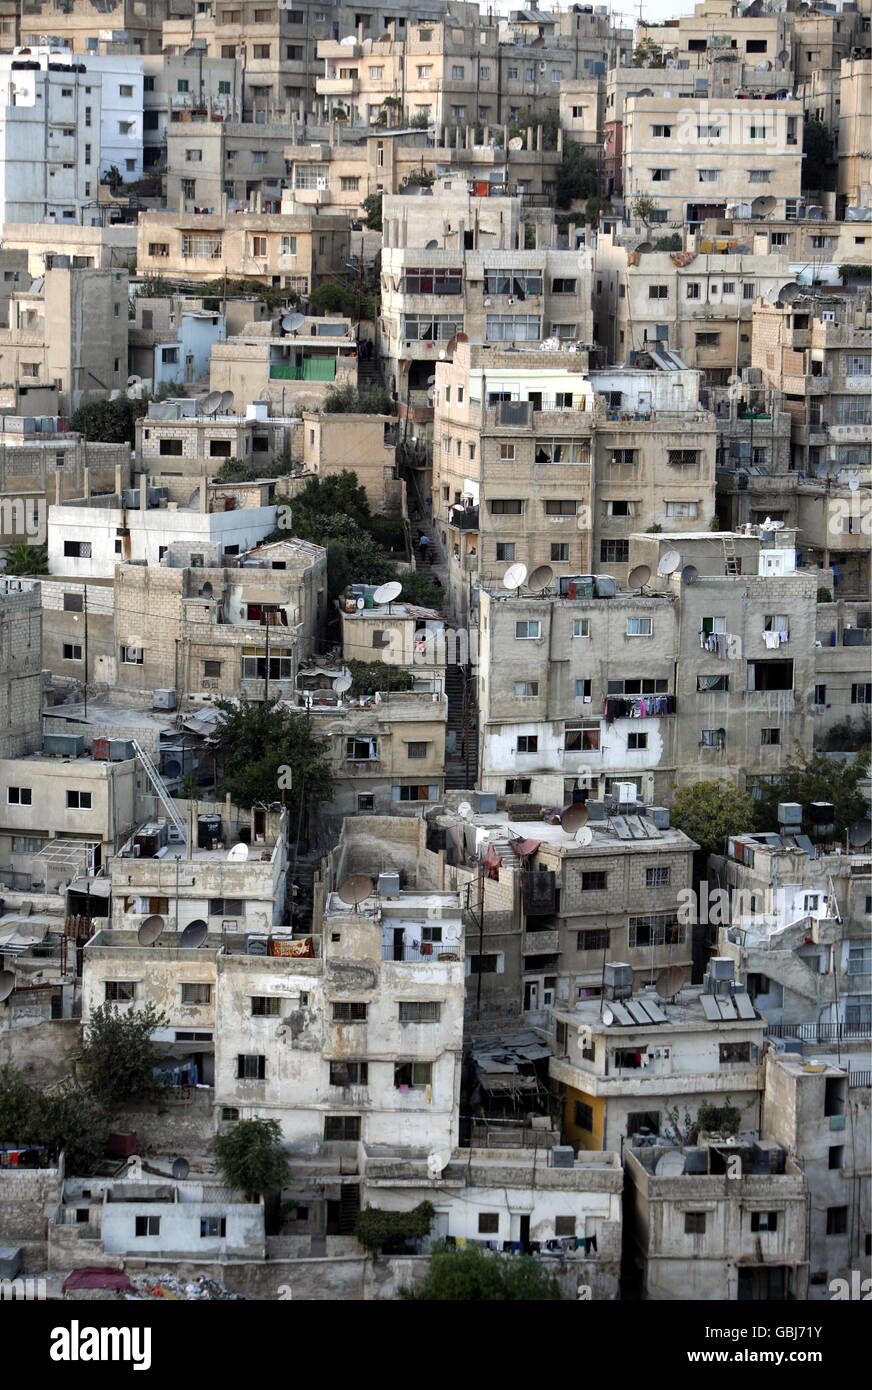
x,y
398,634
175,439
80,26
90,248
40,469
855,118
287,370
293,250
180,90
365,444
70,333
21,666
209,160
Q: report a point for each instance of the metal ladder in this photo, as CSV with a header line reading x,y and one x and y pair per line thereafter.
x,y
731,559
161,792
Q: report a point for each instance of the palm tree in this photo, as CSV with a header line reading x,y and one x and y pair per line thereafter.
x,y
26,559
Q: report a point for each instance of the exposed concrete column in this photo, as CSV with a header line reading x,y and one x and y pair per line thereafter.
x,y
118,480
204,496
560,139
86,479
143,492
539,138
529,144
468,137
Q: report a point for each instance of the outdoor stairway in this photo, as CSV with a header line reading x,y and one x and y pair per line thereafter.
x,y
461,765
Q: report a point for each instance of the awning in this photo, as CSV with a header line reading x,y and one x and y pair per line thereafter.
x,y
525,847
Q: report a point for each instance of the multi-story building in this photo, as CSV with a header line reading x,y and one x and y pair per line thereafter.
x,y
70,333
120,85
98,248
185,88
170,339
50,140
695,158
176,439
366,444
855,114
41,466
697,1235
21,667
287,369
82,27
294,250
213,160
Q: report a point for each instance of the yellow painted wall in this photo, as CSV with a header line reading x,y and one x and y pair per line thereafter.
x,y
583,1138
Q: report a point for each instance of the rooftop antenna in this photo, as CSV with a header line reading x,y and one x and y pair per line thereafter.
x,y
343,683
639,577
150,930
355,890
194,935
514,577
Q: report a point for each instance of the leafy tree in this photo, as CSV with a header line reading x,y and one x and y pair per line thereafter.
x,y
368,677
339,495
419,122
372,207
846,736
818,163
256,742
471,1276
109,422
114,178
419,588
349,400
576,175
709,812
356,559
334,297
235,470
67,1117
251,1157
644,209
155,287
26,559
118,1055
419,178
375,1228
811,777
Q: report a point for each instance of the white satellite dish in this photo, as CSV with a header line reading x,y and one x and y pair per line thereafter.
x,y
668,562
584,836
292,323
516,143
514,576
853,484
464,809
608,1017
670,1164
386,593
226,401
238,854
211,403
7,983
360,603
342,683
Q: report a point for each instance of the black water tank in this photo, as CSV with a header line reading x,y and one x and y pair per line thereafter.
x,y
208,829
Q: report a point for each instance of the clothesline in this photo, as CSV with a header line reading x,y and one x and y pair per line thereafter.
x,y
637,707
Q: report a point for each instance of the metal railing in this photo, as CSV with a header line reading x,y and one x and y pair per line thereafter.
x,y
857,1079
426,952
820,1032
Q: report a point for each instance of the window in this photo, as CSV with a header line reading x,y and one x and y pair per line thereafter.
x,y
72,651
349,185
513,328
224,89
289,246
562,286
146,1226
759,175
457,72
158,248
80,550
764,1220
692,290
528,743
431,327
196,994
730,1053
707,340
505,550
655,929
635,742
627,456
694,1223
170,355
712,738
615,552
861,694
365,801
250,1067
120,991
361,749
708,175
581,627
19,796
560,507
342,1127
483,965
728,287
594,880
640,627
78,801
414,1075
132,656
226,907
194,156
261,50
258,246
658,291
562,451
213,1226
414,793
518,786
349,1073
682,509
661,175
201,246
710,683
583,689
661,132
584,736
820,694
353,1012
420,1011
837,1221
488,1223
682,458
770,737
507,451
597,940
748,291
584,1116
836,1156
266,1006
529,630
526,690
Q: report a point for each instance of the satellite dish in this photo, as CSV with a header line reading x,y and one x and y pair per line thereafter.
x,y
639,576
514,576
608,1017
584,836
226,401
690,574
360,603
342,683
670,981
150,930
853,484
670,1164
574,817
386,593
516,143
238,854
7,983
181,1169
860,832
292,323
211,403
668,562
464,809
541,577
431,246
194,935
355,889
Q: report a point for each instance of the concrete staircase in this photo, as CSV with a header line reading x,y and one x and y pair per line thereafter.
x,y
461,764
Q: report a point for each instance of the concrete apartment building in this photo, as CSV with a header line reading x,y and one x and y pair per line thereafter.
x,y
367,444
83,29
70,333
234,632
170,340
21,667
398,634
694,158
855,114
629,1069
293,250
121,95
697,302
181,89
176,435
541,720
819,1111
798,925
50,140
244,163
286,370
817,351
696,1235
39,467
96,248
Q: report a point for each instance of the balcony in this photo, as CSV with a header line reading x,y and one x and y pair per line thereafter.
x,y
463,518
540,943
818,385
428,953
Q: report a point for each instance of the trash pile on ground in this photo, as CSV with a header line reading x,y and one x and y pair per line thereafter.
x,y
177,1288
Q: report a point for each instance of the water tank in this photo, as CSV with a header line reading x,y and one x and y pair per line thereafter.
x,y
659,815
854,637
562,1156
64,745
721,968
163,699
789,813
120,749
605,586
389,885
821,813
618,977
256,945
596,810
208,829
485,801
130,498
695,1161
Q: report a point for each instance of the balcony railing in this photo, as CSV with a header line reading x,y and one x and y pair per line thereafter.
x,y
427,953
540,943
820,1032
463,518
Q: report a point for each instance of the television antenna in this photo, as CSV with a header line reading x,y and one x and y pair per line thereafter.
x,y
861,832
226,402
181,1169
342,683
584,836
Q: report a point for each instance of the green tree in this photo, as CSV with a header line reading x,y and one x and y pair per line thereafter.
x,y
576,176
119,1057
818,164
251,1157
340,496
67,1117
808,777
350,400
372,207
419,588
644,209
261,748
335,298
471,1276
109,422
709,812
368,677
26,559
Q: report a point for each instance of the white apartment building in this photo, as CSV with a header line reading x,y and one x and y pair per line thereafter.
x,y
50,138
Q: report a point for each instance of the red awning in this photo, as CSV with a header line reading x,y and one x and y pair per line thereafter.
x,y
525,847
96,1277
